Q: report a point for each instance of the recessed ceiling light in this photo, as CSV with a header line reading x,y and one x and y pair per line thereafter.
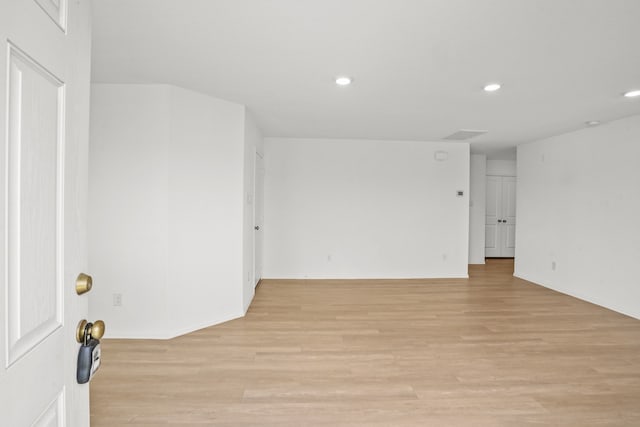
x,y
492,87
343,81
632,93
592,123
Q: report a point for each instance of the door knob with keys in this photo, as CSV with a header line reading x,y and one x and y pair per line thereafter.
x,y
95,330
89,353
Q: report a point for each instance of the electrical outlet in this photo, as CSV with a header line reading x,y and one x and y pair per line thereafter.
x,y
553,265
117,300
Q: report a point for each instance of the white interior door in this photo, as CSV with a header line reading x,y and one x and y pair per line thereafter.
x,y
493,213
500,223
258,207
508,224
44,91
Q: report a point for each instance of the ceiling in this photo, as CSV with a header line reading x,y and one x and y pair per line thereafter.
x,y
418,66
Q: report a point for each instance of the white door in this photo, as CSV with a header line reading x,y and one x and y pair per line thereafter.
x,y
44,116
508,216
500,225
258,209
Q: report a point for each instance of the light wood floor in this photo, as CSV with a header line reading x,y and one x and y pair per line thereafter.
x,y
489,351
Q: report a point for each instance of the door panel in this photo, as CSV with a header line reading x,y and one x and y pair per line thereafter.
x,y
53,416
34,288
509,209
509,195
493,199
509,249
57,11
490,239
492,213
44,69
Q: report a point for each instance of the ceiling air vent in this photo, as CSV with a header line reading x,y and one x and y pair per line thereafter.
x,y
463,134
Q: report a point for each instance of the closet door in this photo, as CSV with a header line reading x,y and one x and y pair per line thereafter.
x,y
494,212
508,224
500,224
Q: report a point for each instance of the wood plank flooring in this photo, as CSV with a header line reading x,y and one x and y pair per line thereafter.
x,y
492,350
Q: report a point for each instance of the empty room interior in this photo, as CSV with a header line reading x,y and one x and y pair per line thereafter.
x,y
362,213
272,245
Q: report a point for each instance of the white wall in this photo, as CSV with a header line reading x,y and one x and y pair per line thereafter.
x,y
578,207
365,209
128,217
165,209
502,167
205,184
477,208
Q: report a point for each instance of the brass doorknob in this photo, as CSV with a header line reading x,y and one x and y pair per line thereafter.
x,y
95,329
84,282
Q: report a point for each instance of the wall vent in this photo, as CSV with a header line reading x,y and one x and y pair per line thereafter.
x,y
463,134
